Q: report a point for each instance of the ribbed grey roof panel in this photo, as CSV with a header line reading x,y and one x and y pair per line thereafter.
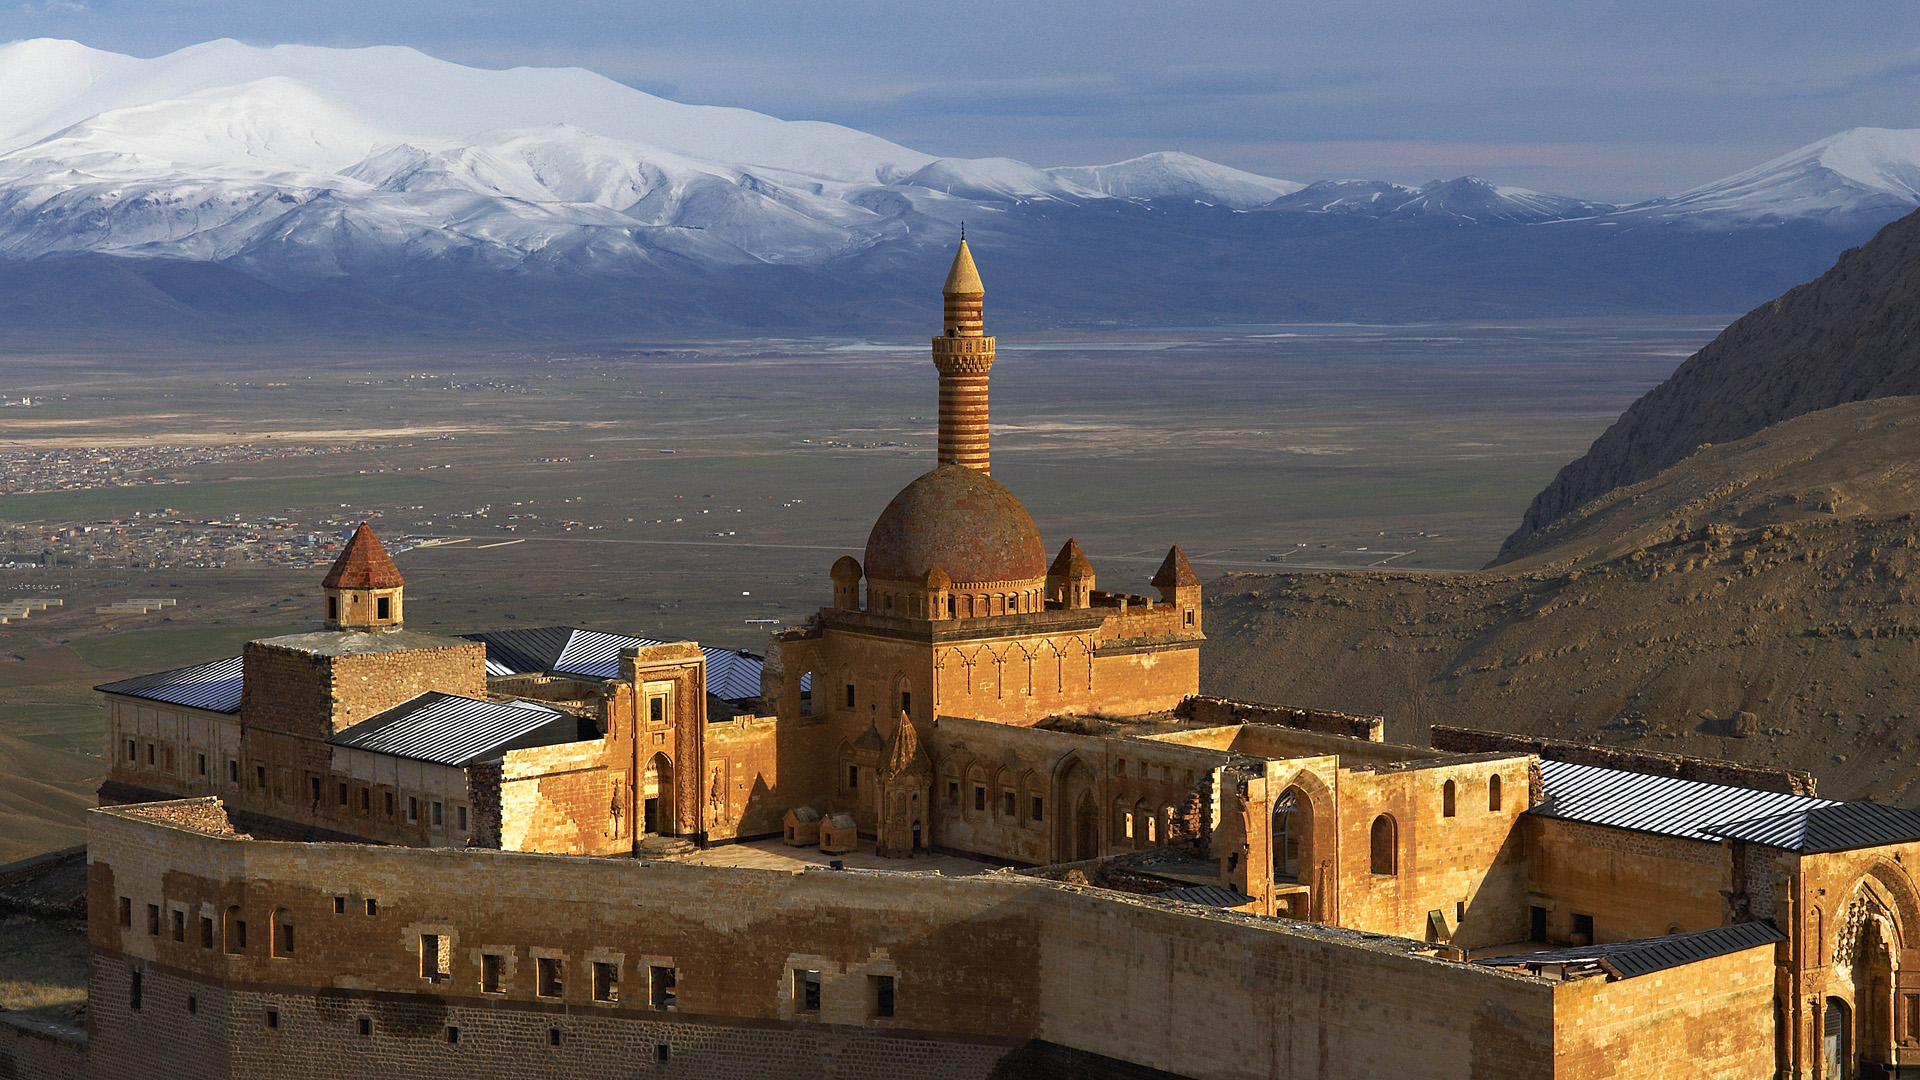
x,y
1842,827
592,654
451,730
1656,804
1644,956
213,686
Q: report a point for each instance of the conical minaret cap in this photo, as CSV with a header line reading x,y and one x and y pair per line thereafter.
x,y
963,279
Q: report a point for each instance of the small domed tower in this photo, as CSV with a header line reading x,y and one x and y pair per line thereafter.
x,y
364,588
939,588
1070,578
846,583
1180,586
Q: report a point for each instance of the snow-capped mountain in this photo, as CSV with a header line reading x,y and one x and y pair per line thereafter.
x,y
1467,200
1861,171
300,162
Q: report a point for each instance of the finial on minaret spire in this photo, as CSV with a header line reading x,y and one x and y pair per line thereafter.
x,y
964,355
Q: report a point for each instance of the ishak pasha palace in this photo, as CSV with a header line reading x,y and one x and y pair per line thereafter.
x,y
1001,835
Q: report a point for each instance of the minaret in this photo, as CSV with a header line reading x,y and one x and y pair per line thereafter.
x,y
963,355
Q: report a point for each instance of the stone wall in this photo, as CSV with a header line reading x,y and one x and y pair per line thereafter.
x,y
1632,884
33,1049
1652,763
744,793
981,966
1713,1018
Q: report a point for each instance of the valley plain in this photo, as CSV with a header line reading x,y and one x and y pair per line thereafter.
x,y
701,490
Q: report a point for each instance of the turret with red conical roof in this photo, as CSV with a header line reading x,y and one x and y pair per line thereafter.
x,y
364,587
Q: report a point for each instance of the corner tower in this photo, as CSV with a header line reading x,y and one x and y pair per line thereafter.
x,y
964,355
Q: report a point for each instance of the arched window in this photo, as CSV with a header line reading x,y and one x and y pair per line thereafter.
x,y
1493,792
1386,845
806,693
283,932
1447,804
1126,820
1292,834
1142,824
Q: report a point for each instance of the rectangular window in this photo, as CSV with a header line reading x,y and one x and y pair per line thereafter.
x,y
333,608
882,996
373,906
433,957
133,751
953,792
656,710
339,905
260,776
661,989
453,1034
389,796
133,992
460,815
202,763
1038,806
906,702
550,976
1006,804
237,935
606,981
233,772
340,793
273,1018
193,1004
206,931
149,753
153,919
1910,1010
849,695
282,934
413,809
313,788
490,978
366,800
436,813
980,797
383,607
1583,929
366,1025
1189,618
853,778
1536,923
806,990
126,911
661,1052
179,925
553,1036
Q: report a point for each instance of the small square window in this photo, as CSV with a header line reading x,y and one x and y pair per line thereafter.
x,y
383,608
366,1025
434,950
553,1036
661,1052
339,905
453,1034
373,906
656,710
273,1018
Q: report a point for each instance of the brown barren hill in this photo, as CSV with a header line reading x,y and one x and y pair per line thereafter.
x,y
1851,334
1759,601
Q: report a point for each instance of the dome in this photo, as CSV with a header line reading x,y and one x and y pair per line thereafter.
x,y
960,520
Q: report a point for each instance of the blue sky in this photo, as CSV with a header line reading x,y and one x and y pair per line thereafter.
x,y
1614,100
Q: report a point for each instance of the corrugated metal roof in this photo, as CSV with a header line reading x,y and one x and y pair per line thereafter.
x,y
731,673
1627,959
1211,895
452,730
1841,827
1656,804
214,686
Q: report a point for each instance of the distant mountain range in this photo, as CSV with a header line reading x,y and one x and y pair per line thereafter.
x,y
230,187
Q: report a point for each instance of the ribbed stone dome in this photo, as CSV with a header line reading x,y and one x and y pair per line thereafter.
x,y
962,521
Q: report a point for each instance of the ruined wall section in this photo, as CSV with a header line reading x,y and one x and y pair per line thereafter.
x,y
745,796
1203,709
1649,762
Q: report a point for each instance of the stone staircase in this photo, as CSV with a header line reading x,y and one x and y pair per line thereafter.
x,y
660,847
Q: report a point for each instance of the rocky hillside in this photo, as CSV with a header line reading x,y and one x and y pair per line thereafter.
x,y
1850,335
1758,601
